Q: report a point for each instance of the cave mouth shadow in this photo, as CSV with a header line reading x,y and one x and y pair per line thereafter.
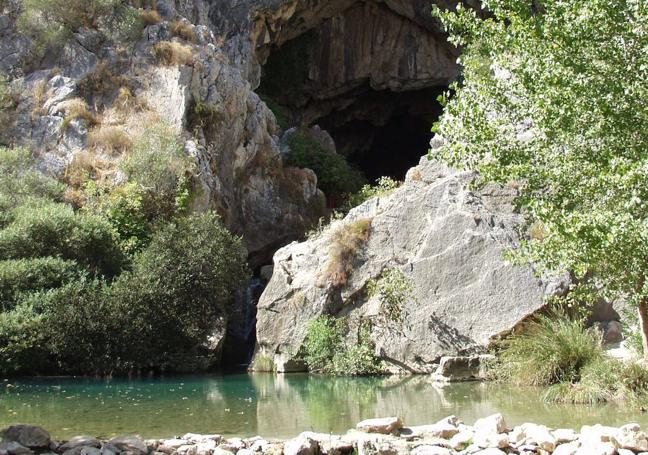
x,y
382,132
385,133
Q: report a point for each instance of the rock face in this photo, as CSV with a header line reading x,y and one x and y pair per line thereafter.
x,y
446,240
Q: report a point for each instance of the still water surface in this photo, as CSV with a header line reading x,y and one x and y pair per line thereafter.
x,y
273,406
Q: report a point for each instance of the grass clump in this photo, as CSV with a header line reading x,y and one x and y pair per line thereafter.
x,y
101,81
183,30
150,17
110,139
346,240
77,109
171,53
562,354
551,349
324,349
335,176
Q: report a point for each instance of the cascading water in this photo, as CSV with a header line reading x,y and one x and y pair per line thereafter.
x,y
241,328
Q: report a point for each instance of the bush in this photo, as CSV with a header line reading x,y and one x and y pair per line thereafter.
x,y
86,332
324,350
179,286
54,229
394,290
159,164
23,348
170,53
51,23
124,208
21,276
110,139
346,240
334,174
8,103
18,179
278,111
551,349
383,187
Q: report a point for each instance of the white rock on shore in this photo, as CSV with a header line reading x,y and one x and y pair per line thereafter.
x,y
385,436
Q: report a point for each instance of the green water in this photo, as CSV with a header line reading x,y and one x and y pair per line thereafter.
x,y
272,406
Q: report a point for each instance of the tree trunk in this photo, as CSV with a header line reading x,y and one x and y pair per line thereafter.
x,y
643,325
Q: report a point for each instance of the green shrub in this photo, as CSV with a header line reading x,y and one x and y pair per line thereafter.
x,y
86,332
603,380
383,186
159,164
21,276
324,350
394,290
54,229
23,348
123,207
179,286
19,179
551,349
50,23
278,111
334,174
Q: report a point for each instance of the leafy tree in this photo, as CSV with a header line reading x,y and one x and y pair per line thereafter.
x,y
553,97
179,286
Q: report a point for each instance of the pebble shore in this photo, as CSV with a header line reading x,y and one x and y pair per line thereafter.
x,y
384,436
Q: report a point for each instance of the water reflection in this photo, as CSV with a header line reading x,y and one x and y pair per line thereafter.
x,y
272,406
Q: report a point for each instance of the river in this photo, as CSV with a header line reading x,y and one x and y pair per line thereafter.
x,y
273,406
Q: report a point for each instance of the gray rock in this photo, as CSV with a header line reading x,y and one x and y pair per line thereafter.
x,y
31,436
14,448
79,441
386,425
131,444
447,240
461,368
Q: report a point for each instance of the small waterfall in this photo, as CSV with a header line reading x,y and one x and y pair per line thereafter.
x,y
241,328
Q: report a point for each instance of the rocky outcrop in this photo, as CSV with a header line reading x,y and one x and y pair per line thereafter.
x,y
240,171
446,240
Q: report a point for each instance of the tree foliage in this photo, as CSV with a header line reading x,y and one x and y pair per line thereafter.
x,y
553,98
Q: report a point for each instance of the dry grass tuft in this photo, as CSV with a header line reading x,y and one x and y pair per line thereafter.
x,y
150,17
38,95
170,53
183,30
76,108
110,139
346,240
85,166
100,81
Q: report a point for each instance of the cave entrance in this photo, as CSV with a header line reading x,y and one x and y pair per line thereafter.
x,y
367,75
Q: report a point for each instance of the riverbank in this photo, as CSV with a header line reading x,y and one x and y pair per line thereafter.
x,y
384,436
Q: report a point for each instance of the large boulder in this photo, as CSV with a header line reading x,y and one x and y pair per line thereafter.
x,y
30,436
446,239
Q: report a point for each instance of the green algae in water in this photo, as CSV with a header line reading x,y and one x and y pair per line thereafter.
x,y
270,405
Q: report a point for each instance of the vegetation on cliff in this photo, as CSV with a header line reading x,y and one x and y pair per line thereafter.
x,y
127,282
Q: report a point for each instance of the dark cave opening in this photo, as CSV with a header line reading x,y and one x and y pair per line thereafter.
x,y
381,131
